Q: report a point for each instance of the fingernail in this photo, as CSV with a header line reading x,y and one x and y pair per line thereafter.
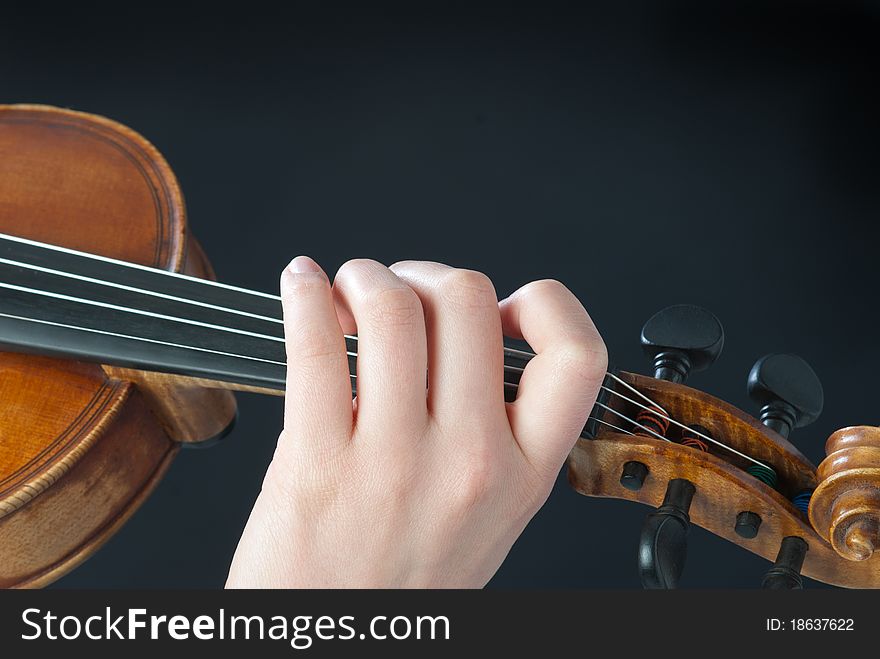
x,y
304,264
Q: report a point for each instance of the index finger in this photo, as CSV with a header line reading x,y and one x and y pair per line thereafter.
x,y
317,403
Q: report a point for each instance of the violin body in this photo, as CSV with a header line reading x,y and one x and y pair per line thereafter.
x,y
81,446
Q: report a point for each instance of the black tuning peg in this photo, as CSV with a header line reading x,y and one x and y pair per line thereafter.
x,y
681,339
663,543
788,390
786,571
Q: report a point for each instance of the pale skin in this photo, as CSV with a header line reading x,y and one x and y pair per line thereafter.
x,y
408,485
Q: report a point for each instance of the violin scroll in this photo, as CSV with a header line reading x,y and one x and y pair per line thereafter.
x,y
845,508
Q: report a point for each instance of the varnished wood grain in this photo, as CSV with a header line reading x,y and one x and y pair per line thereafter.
x,y
79,451
88,183
63,515
189,411
845,508
164,380
728,425
723,488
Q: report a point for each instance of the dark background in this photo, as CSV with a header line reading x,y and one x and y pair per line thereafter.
x,y
643,153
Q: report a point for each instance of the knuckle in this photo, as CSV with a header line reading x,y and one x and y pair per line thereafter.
x,y
291,482
397,485
475,486
585,362
354,271
546,287
468,289
310,341
476,478
357,266
390,480
404,265
394,307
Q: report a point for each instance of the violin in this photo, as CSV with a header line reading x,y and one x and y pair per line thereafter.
x,y
120,347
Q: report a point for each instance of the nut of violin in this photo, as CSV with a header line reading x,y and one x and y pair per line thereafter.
x,y
845,508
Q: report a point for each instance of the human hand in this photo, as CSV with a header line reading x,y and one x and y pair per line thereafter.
x,y
408,486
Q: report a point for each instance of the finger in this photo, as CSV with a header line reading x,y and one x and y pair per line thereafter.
x,y
465,342
392,355
317,405
559,385
346,319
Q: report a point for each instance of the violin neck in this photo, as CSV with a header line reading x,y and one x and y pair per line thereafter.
x,y
63,303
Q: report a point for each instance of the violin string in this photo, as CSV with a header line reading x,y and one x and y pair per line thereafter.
x,y
513,352
146,291
137,289
223,328
186,321
654,405
624,417
638,393
521,354
665,415
139,312
177,345
693,431
136,266
613,427
119,335
115,307
527,356
354,376
182,346
197,323
172,344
